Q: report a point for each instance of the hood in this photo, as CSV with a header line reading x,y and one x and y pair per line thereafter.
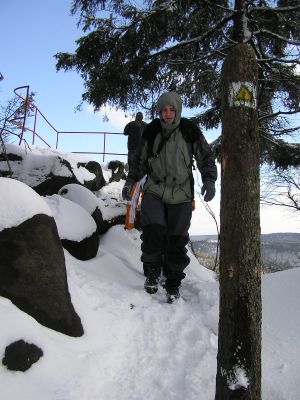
x,y
170,99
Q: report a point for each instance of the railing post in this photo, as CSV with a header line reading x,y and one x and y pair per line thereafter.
x,y
34,126
25,113
104,141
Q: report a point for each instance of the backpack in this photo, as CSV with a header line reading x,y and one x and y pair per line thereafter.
x,y
190,133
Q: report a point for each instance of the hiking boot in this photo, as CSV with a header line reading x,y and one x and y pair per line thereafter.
x,y
152,280
172,294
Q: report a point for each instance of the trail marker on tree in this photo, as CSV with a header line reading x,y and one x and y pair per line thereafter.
x,y
239,348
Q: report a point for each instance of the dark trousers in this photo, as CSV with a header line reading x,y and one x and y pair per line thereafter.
x,y
165,235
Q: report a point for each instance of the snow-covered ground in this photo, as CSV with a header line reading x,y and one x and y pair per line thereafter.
x,y
136,346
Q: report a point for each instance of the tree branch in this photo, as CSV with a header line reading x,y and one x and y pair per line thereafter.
x,y
197,39
275,9
205,56
275,35
278,113
283,60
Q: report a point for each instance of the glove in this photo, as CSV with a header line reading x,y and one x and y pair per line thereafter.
x,y
127,189
209,189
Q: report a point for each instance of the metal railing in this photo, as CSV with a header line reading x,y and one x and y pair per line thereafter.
x,y
21,122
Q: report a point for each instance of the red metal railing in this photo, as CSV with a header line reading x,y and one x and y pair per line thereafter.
x,y
104,152
29,105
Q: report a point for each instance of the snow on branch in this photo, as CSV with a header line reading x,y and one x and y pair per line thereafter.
x,y
279,113
275,35
197,39
280,59
275,9
222,51
215,5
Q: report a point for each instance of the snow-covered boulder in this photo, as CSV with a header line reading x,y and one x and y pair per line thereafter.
x,y
111,204
76,228
117,170
94,168
32,264
86,199
47,170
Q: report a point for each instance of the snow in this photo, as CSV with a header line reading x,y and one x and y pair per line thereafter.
x,y
80,195
137,346
13,211
246,32
240,379
280,324
73,222
47,160
110,200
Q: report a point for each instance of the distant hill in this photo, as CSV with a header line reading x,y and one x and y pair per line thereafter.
x,y
279,251
282,236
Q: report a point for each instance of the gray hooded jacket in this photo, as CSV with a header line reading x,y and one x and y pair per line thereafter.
x,y
166,152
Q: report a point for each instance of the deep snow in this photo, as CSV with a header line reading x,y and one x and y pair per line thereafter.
x,y
136,346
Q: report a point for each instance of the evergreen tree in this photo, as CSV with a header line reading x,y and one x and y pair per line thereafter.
x,y
132,53
239,338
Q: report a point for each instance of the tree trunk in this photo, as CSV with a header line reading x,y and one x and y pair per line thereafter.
x,y
239,347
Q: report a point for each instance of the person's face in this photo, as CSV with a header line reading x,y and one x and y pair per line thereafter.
x,y
168,114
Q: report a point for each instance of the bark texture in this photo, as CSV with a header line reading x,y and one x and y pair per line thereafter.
x,y
239,347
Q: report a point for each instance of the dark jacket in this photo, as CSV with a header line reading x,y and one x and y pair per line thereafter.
x,y
167,162
134,132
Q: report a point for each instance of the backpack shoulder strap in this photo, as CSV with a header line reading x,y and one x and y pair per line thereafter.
x,y
150,133
189,130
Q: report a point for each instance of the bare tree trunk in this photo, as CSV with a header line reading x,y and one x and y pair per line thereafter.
x,y
239,348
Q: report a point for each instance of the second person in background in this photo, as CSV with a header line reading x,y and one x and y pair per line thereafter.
x,y
134,130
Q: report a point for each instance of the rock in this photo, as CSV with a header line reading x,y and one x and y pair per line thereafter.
x,y
46,170
110,200
84,250
86,199
107,224
32,264
20,355
98,218
95,168
76,227
117,168
33,274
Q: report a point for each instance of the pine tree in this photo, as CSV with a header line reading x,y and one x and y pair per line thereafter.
x,y
239,349
130,54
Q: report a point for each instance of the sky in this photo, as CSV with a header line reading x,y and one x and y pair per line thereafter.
x,y
135,345
34,32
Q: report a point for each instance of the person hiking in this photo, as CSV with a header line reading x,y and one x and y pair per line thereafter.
x,y
134,130
165,155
